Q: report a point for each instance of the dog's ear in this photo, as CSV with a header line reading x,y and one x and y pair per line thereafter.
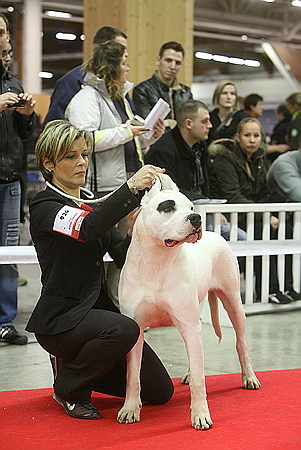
x,y
166,183
163,183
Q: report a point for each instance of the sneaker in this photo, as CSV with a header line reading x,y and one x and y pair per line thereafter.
x,y
78,410
279,298
293,295
10,335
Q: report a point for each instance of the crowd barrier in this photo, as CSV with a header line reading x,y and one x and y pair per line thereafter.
x,y
265,247
248,249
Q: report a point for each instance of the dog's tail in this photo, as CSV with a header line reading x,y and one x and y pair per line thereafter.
x,y
213,304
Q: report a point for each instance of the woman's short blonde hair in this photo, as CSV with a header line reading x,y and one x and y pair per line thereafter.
x,y
56,140
219,89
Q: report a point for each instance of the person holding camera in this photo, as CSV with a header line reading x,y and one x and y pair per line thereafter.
x,y
17,122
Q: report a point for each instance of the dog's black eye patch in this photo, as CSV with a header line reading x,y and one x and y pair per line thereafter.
x,y
167,206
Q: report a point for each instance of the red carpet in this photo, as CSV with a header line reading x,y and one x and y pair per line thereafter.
x,y
265,419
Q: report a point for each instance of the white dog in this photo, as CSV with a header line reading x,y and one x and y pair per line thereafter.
x,y
163,281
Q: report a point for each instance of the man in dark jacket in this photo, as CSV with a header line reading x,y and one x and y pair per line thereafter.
x,y
16,124
182,152
163,84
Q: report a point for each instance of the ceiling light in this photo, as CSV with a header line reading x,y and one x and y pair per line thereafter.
x,y
203,55
220,58
66,36
10,9
252,63
296,3
58,14
238,61
268,1
228,59
45,74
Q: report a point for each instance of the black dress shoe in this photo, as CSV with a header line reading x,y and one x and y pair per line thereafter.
x,y
78,410
293,295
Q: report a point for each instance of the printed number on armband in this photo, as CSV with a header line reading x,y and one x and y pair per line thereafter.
x,y
68,221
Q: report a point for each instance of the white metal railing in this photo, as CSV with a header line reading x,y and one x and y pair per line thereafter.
x,y
264,247
249,248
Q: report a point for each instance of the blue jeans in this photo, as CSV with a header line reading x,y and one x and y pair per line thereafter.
x,y
10,199
225,229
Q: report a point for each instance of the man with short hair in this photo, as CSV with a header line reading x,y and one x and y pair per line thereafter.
x,y
69,84
254,105
163,84
182,152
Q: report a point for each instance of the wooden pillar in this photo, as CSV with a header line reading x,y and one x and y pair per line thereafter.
x,y
148,24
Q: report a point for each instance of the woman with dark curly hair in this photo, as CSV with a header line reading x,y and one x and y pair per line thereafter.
x,y
101,106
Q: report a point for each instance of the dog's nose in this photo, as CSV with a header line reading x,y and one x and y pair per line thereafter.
x,y
195,220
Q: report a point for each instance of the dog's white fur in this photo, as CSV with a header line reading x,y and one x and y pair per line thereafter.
x,y
162,282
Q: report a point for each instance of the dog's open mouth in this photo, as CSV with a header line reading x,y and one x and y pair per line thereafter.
x,y
192,237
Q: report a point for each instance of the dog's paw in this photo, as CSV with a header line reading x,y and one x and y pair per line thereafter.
x,y
201,421
126,415
250,382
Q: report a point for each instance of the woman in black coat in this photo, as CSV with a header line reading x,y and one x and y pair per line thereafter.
x,y
74,319
225,117
240,169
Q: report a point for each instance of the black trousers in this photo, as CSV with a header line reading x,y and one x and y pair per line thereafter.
x,y
94,359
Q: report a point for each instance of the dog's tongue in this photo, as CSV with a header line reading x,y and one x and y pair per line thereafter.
x,y
170,243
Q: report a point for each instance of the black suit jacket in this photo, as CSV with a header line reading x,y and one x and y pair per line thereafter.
x,y
72,269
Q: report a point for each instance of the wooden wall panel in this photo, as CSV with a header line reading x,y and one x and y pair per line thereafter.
x,y
148,24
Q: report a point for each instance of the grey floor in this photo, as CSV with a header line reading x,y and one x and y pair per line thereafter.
x,y
274,342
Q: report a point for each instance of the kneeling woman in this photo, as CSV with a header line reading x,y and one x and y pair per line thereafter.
x,y
74,319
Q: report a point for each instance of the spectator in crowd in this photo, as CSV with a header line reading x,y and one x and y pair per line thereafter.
x,y
279,134
240,102
284,177
101,106
75,319
68,85
182,152
225,117
253,105
163,84
16,124
240,169
293,104
7,55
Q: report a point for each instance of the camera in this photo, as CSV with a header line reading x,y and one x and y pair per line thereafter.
x,y
19,104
